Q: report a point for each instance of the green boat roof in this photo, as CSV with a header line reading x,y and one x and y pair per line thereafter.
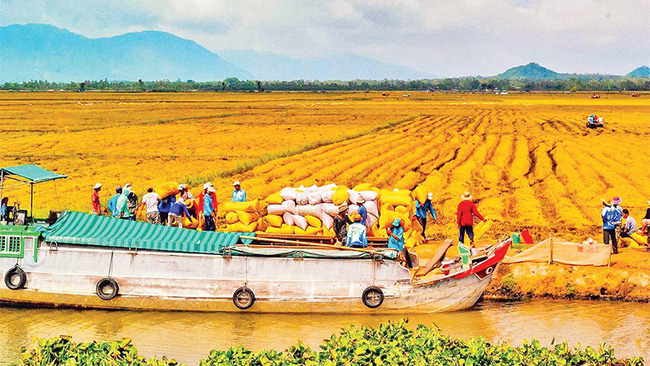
x,y
85,229
32,173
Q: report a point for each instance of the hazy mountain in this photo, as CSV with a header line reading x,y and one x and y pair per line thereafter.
x,y
269,66
640,72
45,52
531,71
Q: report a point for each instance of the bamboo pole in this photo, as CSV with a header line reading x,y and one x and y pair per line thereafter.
x,y
550,240
281,241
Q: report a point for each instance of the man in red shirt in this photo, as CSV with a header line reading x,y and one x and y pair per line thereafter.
x,y
97,208
465,218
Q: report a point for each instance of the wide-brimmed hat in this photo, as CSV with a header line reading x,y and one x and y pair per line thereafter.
x,y
127,186
361,200
466,196
207,185
616,200
97,186
397,222
343,208
429,196
211,189
236,183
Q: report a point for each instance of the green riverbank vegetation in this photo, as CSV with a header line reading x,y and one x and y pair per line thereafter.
x,y
391,343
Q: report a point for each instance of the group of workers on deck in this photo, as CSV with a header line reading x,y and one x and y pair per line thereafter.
x,y
169,210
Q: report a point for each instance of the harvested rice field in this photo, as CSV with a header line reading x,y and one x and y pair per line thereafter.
x,y
528,159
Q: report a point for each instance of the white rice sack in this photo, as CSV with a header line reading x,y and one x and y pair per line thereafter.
x,y
370,221
353,196
352,209
326,196
302,198
315,210
288,219
330,187
330,209
328,221
315,198
300,221
288,194
313,188
368,195
371,207
286,206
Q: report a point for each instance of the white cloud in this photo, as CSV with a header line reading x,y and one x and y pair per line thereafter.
x,y
448,37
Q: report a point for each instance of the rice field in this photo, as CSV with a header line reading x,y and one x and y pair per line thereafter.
x,y
528,159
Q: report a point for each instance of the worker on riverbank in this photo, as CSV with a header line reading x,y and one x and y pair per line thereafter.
x,y
184,193
421,210
213,196
122,205
177,212
164,206
465,215
4,209
238,194
208,210
112,203
341,222
94,198
151,200
612,216
133,199
630,224
357,235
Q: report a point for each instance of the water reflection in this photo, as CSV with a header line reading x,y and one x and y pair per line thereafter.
x,y
190,336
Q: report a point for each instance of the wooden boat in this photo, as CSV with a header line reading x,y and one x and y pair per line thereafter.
x,y
86,261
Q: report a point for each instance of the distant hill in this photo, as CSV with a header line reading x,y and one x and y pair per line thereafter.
x,y
531,71
45,52
640,72
269,66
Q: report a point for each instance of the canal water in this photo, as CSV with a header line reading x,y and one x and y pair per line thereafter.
x,y
189,337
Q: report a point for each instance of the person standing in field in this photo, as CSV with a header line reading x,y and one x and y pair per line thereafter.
x,y
133,200
612,216
465,215
150,200
238,195
97,208
122,205
208,211
630,224
177,212
184,193
357,235
341,222
213,195
112,203
164,206
421,210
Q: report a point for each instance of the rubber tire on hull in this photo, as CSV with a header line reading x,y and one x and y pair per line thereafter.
x,y
103,284
22,278
243,298
373,297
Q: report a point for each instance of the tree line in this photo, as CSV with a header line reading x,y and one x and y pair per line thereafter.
x,y
465,84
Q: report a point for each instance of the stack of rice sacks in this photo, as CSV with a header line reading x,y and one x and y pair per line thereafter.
x,y
400,204
244,217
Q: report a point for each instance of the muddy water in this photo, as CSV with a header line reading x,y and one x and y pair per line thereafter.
x,y
190,336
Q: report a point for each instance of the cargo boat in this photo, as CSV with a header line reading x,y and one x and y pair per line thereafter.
x,y
87,261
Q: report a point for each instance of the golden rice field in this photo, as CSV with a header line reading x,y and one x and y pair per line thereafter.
x,y
528,159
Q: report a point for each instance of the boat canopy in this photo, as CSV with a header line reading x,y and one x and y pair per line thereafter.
x,y
85,229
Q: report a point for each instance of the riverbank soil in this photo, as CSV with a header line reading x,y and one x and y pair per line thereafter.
x,y
627,278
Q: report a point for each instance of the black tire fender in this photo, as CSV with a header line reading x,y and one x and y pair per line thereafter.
x,y
243,298
107,288
15,273
372,297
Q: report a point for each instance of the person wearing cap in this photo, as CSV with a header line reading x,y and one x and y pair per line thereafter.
x,y
421,210
362,211
177,212
208,211
396,236
133,200
151,200
357,235
612,216
465,215
122,205
630,224
238,194
213,195
341,222
112,203
184,193
94,198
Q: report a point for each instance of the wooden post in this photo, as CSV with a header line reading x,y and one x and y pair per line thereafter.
x,y
550,242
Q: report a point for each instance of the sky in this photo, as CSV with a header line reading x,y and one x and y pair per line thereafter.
x,y
446,37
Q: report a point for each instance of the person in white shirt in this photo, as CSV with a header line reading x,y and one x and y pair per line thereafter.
x,y
150,200
238,195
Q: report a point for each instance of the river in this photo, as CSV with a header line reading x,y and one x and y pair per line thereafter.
x,y
190,336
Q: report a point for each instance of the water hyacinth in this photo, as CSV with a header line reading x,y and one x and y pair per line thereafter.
x,y
391,343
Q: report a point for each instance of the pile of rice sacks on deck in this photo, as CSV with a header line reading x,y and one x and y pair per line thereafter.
x,y
244,217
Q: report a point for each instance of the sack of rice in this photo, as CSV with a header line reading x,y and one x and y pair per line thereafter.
x,y
284,229
248,206
274,199
286,206
231,217
304,210
274,220
314,221
288,194
330,209
341,195
327,220
247,217
239,227
314,198
287,218
368,195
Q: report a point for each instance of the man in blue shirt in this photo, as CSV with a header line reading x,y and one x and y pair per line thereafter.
x,y
164,206
421,212
112,203
363,212
176,213
357,236
238,195
208,211
612,216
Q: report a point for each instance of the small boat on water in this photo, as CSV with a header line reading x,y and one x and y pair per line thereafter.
x,y
87,261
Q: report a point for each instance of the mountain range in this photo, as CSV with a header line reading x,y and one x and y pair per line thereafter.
x,y
45,52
